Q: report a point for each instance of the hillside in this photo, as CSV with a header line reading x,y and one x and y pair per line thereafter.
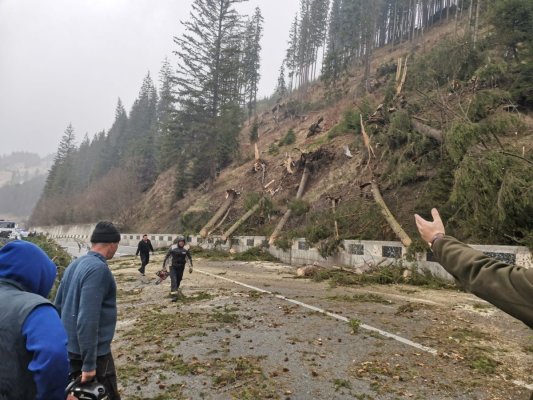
x,y
414,172
405,117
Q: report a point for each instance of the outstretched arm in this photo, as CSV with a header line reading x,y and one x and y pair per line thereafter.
x,y
508,287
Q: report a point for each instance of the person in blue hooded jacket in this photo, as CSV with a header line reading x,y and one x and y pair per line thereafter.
x,y
33,342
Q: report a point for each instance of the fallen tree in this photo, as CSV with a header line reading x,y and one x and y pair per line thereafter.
x,y
287,215
242,219
395,226
427,130
231,195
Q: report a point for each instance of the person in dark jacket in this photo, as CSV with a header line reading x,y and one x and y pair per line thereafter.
x,y
178,255
508,287
87,302
33,342
144,248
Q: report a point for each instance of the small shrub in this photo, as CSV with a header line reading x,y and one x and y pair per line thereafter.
x,y
299,207
288,139
255,254
273,149
350,124
355,324
283,243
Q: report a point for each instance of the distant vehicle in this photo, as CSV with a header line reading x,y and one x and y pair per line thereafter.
x,y
9,229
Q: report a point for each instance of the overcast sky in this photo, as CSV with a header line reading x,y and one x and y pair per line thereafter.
x,y
68,61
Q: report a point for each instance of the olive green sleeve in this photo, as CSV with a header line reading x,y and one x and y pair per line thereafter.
x,y
508,287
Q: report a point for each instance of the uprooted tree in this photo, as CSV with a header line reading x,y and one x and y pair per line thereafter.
x,y
231,196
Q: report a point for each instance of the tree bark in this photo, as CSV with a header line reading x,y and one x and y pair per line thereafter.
x,y
476,24
396,227
427,130
288,213
231,195
241,220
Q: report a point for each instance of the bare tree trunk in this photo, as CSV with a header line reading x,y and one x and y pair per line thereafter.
x,y
219,223
470,16
476,25
404,76
241,220
288,213
427,130
336,225
396,227
231,195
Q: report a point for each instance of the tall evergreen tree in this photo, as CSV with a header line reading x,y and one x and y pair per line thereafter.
x,y
139,136
208,77
167,138
251,59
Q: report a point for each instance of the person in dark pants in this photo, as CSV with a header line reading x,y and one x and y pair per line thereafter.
x,y
87,303
178,255
144,248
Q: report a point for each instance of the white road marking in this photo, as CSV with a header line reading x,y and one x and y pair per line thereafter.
x,y
400,339
344,319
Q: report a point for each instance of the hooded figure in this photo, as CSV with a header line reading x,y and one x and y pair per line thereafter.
x,y
33,342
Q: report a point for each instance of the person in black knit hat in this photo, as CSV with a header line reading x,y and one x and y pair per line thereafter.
x,y
88,289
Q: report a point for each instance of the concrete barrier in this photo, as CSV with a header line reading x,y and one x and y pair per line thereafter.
x,y
355,253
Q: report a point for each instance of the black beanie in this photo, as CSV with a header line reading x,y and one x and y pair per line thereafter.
x,y
105,232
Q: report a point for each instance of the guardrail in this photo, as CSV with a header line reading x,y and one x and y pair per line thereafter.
x,y
353,253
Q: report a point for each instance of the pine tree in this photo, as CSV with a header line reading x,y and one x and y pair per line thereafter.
x,y
251,59
281,88
139,136
60,176
167,125
208,82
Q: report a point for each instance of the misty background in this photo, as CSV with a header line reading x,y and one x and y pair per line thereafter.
x,y
64,61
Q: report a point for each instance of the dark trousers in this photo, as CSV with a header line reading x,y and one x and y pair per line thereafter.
x,y
145,259
176,275
105,372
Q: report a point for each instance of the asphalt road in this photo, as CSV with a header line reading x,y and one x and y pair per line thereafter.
x,y
252,331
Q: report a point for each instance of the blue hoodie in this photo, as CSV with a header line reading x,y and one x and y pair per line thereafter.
x,y
29,268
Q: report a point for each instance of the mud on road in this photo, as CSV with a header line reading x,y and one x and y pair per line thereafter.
x,y
222,340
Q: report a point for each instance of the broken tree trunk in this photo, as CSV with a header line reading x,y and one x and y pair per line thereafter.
x,y
219,223
336,226
397,229
288,213
404,76
427,130
231,195
315,128
366,141
241,220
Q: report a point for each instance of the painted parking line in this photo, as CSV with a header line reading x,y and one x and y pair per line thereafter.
x,y
400,339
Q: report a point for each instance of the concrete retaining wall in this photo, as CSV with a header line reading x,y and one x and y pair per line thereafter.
x,y
356,253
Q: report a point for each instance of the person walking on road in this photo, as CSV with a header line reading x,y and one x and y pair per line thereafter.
x,y
87,302
144,248
33,342
178,255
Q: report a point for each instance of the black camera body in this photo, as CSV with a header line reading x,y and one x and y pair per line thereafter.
x,y
87,391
